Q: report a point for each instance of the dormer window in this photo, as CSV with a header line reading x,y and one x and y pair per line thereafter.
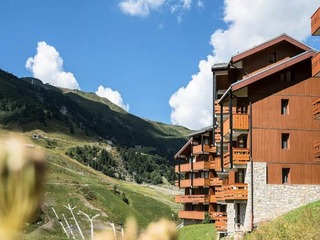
x,y
272,57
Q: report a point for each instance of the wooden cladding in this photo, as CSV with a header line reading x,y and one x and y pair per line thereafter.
x,y
316,65
316,148
316,108
239,122
240,157
315,23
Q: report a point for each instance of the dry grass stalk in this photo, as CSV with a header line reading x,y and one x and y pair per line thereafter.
x,y
21,172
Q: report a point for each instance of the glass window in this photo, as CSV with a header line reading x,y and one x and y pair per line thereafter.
x,y
284,106
285,175
285,141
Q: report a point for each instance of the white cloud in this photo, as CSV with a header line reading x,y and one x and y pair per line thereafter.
x,y
47,65
140,8
249,23
113,96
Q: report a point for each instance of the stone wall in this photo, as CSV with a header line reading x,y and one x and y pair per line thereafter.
x,y
273,200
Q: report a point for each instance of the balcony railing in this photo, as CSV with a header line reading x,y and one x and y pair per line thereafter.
x,y
214,215
239,122
197,182
240,156
316,105
217,109
316,147
232,192
221,223
217,181
198,215
196,166
219,194
192,198
203,148
236,191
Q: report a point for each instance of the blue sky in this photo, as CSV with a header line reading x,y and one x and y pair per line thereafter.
x,y
152,57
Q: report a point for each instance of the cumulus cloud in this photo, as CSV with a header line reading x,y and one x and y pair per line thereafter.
x,y
113,96
142,8
249,23
47,65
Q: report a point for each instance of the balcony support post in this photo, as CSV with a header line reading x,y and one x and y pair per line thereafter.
x,y
221,136
214,94
251,165
179,172
202,144
230,129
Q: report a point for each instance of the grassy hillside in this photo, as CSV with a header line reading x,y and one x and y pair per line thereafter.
x,y
69,182
198,231
302,223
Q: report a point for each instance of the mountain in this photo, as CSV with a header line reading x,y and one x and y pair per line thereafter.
x,y
28,100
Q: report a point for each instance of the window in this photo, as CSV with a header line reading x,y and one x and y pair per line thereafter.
x,y
285,140
284,106
272,58
287,76
285,175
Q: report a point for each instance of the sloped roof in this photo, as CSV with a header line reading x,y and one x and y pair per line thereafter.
x,y
267,71
258,48
272,69
184,149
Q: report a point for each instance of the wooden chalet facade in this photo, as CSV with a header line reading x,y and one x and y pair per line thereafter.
x,y
266,113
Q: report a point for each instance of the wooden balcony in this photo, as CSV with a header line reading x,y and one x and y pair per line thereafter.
x,y
315,23
192,198
232,192
196,166
240,123
197,215
214,215
203,149
315,65
217,109
316,148
197,182
186,167
219,194
316,106
240,157
221,223
217,181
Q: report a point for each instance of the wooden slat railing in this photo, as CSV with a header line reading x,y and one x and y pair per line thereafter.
x,y
236,191
217,181
221,223
201,198
239,122
198,215
240,156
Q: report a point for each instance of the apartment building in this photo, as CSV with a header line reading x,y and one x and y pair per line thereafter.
x,y
261,157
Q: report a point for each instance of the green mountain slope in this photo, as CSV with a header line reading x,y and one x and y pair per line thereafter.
x,y
27,100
